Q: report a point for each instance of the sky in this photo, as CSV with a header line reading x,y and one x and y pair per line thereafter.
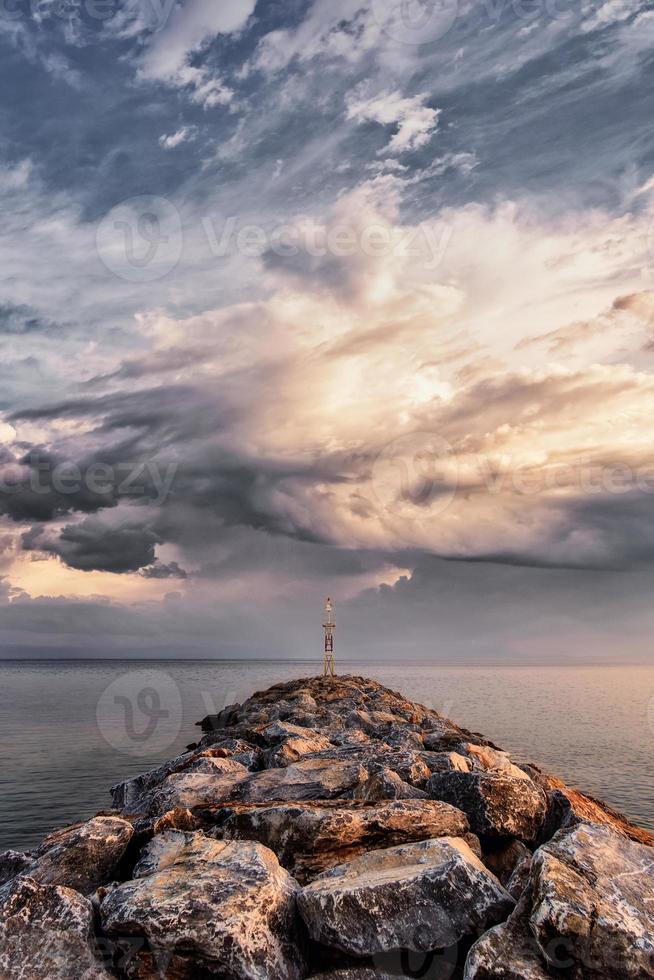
x,y
343,297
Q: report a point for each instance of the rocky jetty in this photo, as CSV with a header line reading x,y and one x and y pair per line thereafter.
x,y
330,828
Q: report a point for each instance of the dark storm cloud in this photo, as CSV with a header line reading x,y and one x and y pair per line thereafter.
x,y
16,320
161,570
94,545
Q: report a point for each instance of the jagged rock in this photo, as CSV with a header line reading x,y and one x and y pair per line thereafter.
x,y
134,795
417,896
593,896
309,838
497,804
12,863
207,905
288,743
404,737
507,952
376,756
46,933
309,779
387,785
187,790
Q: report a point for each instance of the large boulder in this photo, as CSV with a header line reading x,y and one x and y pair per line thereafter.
x,y
416,896
593,898
309,838
84,856
135,795
497,804
309,779
46,933
206,906
185,790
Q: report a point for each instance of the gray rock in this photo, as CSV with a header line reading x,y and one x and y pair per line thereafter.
x,y
417,896
309,838
497,804
12,863
593,903
207,905
46,933
507,952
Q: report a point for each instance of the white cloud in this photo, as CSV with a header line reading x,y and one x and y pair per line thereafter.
x,y
188,28
416,122
171,140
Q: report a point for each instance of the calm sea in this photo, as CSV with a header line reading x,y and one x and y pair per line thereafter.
x,y
70,730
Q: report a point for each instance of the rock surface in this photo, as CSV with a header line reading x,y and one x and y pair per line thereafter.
x,y
593,897
310,838
507,952
498,804
372,804
208,905
417,896
46,933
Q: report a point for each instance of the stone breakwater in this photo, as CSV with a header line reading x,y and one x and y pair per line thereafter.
x,y
331,828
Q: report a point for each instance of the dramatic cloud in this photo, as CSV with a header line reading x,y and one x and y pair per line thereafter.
x,y
322,302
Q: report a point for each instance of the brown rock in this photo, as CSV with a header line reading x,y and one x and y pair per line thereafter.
x,y
309,838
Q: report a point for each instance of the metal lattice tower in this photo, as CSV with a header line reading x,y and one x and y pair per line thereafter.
x,y
329,625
